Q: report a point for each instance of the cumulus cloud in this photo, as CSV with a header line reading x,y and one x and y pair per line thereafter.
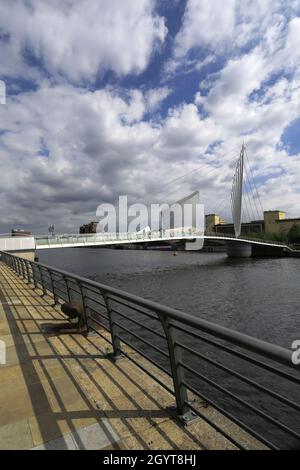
x,y
154,97
225,25
256,96
205,23
2,92
240,93
68,146
77,40
98,146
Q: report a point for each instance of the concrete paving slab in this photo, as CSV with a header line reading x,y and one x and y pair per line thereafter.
x,y
15,436
93,437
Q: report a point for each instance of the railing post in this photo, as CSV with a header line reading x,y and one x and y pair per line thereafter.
x,y
67,287
19,266
84,308
114,330
15,265
27,271
56,302
185,414
34,276
42,282
6,259
24,269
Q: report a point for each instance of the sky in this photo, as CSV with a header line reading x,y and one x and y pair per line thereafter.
x,y
152,99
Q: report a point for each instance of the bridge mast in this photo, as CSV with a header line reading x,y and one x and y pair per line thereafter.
x,y
236,193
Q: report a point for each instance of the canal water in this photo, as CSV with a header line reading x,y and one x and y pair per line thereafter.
x,y
259,297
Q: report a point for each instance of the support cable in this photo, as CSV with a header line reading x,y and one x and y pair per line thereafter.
x,y
254,183
252,193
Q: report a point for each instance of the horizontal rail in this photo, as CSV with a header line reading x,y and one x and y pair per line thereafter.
x,y
179,334
241,377
269,350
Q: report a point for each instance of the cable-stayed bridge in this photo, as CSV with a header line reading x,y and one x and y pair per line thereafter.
x,y
243,187
238,245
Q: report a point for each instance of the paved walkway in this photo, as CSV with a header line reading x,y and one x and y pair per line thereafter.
x,y
62,391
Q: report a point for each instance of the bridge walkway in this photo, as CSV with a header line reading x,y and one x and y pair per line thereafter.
x,y
62,392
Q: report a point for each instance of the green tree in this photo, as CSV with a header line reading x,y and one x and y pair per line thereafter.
x,y
294,234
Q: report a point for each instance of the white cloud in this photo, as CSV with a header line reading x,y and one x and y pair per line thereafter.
x,y
205,23
154,97
255,97
99,147
230,97
226,25
67,148
2,92
77,40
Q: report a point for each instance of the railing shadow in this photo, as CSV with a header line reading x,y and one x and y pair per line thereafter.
x,y
73,355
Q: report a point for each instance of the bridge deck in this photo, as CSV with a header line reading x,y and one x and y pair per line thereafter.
x,y
105,239
63,392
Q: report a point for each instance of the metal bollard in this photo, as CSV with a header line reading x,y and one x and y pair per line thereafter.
x,y
75,312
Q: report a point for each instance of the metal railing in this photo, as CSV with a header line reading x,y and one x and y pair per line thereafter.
x,y
107,237
246,238
184,233
249,381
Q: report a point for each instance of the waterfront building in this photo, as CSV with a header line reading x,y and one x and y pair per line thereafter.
x,y
274,222
91,227
211,220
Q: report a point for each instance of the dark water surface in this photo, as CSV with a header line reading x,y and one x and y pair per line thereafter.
x,y
258,296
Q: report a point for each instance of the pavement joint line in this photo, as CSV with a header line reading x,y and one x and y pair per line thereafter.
x,y
17,302
25,305
93,437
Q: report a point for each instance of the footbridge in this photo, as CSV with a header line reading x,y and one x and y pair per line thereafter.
x,y
239,247
236,246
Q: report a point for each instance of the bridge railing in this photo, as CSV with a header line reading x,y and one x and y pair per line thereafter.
x,y
105,237
252,383
246,238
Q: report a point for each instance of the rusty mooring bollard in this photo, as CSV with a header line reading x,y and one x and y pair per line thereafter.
x,y
75,312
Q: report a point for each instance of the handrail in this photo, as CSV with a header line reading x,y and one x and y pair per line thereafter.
x,y
125,326
244,237
131,237
271,351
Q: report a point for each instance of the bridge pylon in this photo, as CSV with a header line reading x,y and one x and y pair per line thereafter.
x,y
237,193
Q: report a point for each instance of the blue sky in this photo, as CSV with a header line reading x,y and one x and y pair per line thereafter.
x,y
291,137
116,97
